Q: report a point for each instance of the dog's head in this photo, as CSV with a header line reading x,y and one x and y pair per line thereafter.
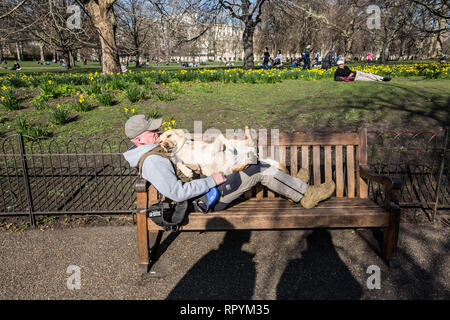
x,y
171,139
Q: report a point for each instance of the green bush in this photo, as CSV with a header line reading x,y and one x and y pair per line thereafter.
x,y
155,113
164,95
34,130
9,100
17,82
105,98
50,90
134,93
58,115
81,105
94,88
39,105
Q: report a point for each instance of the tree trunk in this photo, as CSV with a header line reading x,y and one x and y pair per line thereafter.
x,y
348,42
18,51
247,38
102,13
433,40
440,41
41,51
384,57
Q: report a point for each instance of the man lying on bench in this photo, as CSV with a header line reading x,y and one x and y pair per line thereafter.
x,y
159,171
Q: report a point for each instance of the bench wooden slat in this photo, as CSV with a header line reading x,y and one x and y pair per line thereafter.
x,y
271,155
361,159
316,165
328,162
305,158
339,173
350,172
294,160
317,139
278,202
284,219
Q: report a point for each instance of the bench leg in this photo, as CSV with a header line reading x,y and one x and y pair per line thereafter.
x,y
142,241
391,239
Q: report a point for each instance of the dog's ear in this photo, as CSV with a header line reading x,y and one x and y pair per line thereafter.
x,y
179,132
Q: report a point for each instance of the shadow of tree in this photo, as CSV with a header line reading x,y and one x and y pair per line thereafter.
x,y
225,273
413,279
385,105
319,273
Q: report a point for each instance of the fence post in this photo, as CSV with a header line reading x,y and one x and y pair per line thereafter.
x,y
441,172
25,177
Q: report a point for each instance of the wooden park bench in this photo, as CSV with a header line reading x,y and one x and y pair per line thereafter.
x,y
338,156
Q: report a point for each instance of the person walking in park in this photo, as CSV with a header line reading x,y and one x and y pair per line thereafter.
x,y
370,57
334,57
328,61
266,58
159,171
306,58
343,73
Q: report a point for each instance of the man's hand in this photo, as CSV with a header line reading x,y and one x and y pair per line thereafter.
x,y
219,177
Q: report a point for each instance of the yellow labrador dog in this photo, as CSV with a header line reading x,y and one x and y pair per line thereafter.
x,y
226,155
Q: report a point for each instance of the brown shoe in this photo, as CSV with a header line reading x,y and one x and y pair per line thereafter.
x,y
315,194
303,174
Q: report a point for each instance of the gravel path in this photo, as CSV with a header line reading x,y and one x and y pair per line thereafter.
x,y
299,264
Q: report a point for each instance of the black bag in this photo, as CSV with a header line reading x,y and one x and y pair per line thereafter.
x,y
168,215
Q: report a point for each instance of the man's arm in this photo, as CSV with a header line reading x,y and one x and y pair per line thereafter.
x,y
160,173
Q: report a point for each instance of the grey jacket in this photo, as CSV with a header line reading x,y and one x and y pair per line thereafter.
x,y
160,173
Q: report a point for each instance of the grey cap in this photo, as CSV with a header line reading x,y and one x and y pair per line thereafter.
x,y
140,123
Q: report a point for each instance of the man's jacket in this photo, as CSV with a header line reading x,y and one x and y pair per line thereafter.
x,y
160,173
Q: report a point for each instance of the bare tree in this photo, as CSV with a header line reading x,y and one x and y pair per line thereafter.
x,y
104,20
249,13
134,21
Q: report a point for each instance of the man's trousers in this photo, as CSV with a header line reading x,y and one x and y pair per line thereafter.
x,y
275,180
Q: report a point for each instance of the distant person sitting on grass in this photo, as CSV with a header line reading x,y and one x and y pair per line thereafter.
x,y
16,66
123,68
343,73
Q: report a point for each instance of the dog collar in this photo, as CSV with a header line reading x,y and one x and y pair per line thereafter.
x,y
179,148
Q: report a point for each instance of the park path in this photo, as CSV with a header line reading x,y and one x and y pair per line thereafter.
x,y
298,264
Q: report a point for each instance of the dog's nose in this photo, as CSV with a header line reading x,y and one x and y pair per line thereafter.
x,y
166,145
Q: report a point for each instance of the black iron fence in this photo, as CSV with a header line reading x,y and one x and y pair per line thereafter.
x,y
78,176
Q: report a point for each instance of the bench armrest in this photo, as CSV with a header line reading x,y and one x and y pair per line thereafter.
x,y
391,186
141,185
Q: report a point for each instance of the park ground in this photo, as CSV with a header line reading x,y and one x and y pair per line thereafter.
x,y
301,264
404,103
292,264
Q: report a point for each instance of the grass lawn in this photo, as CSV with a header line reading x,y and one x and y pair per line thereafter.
x,y
33,67
403,103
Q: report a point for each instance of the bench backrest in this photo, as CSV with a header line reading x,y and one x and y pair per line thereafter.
x,y
328,156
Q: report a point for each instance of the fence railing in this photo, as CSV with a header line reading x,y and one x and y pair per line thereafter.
x,y
78,176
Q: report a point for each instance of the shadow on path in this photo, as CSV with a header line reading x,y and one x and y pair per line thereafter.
x,y
319,273
225,273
